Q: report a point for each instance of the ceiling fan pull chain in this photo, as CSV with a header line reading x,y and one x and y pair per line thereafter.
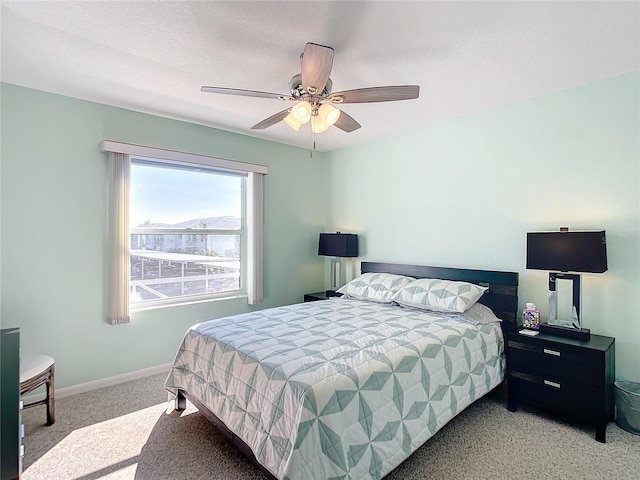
x,y
313,137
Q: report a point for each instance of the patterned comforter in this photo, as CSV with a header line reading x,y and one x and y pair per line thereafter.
x,y
339,388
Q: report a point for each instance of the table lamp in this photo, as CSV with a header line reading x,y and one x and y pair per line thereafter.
x,y
337,246
564,252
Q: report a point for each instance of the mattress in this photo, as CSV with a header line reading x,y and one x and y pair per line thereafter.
x,y
339,388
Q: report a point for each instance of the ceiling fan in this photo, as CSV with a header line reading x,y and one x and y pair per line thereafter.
x,y
314,101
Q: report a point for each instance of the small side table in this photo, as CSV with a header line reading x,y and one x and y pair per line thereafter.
x,y
568,377
324,295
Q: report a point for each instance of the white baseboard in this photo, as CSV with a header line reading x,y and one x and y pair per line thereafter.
x,y
102,383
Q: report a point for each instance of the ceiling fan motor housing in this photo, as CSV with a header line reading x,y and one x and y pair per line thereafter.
x,y
297,90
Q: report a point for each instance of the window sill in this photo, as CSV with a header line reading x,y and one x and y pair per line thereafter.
x,y
156,306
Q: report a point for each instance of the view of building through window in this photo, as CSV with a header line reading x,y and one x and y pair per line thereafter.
x,y
187,231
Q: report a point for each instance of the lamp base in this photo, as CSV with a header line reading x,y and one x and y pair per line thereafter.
x,y
583,334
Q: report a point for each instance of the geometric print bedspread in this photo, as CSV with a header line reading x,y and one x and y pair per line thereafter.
x,y
338,389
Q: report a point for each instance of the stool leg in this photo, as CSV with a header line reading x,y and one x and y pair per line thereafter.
x,y
51,408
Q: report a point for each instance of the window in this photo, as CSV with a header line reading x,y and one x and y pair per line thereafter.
x,y
182,228
187,229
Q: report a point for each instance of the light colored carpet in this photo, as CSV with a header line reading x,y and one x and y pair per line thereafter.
x,y
130,432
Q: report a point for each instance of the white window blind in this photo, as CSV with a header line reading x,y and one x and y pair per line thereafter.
x,y
118,304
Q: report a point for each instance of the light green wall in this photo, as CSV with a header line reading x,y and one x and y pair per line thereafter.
x,y
53,261
464,193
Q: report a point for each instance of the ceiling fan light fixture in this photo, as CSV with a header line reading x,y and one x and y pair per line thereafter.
x,y
302,111
292,122
318,125
329,114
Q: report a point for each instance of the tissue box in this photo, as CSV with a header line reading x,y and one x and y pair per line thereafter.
x,y
531,318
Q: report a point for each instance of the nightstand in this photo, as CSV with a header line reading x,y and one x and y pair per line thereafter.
x,y
312,297
571,378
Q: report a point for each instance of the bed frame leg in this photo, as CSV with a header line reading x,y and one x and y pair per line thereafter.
x,y
181,401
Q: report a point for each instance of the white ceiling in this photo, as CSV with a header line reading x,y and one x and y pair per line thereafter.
x,y
467,57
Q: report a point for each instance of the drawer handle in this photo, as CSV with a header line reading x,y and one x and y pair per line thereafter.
x,y
552,384
551,352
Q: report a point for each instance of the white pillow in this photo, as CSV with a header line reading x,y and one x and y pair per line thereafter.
x,y
480,314
439,295
375,287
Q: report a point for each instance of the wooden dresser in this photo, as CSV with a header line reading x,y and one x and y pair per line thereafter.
x,y
11,440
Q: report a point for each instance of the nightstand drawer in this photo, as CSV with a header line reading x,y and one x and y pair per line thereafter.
x,y
538,359
582,402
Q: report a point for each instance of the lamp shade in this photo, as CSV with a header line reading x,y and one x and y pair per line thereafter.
x,y
567,251
301,111
338,244
292,122
328,113
318,125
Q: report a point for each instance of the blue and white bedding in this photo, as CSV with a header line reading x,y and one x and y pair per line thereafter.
x,y
340,388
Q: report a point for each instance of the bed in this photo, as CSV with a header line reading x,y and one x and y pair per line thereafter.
x,y
346,387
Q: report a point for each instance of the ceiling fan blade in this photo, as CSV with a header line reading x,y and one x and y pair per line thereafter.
x,y
244,93
376,94
272,120
346,123
317,61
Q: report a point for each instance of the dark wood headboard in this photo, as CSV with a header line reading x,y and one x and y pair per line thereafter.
x,y
502,296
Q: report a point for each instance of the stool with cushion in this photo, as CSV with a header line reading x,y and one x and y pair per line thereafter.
x,y
36,371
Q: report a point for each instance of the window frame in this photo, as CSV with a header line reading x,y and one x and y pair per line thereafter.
x,y
120,156
241,232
